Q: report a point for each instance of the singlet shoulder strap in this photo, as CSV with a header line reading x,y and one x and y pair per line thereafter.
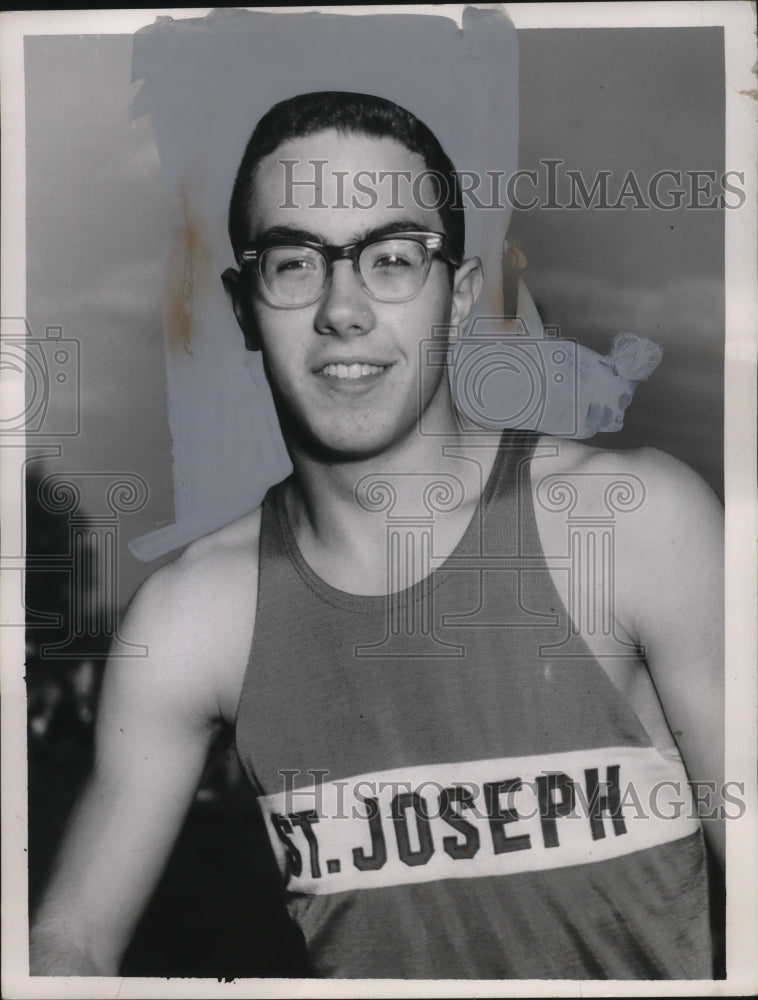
x,y
504,523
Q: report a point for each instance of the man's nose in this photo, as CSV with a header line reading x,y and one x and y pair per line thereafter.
x,y
345,308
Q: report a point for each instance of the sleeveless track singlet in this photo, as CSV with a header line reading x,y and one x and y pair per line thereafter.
x,y
447,795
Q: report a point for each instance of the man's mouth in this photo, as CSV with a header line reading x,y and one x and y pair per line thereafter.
x,y
353,371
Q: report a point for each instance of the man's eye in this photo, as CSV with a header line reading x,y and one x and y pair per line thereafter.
x,y
392,261
295,264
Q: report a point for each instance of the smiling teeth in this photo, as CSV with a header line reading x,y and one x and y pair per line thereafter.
x,y
352,371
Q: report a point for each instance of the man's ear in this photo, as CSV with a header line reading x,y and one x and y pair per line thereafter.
x,y
467,284
242,312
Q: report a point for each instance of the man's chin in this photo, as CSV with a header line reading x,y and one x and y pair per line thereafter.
x,y
335,446
334,452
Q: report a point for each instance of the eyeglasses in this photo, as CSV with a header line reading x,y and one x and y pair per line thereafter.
x,y
390,268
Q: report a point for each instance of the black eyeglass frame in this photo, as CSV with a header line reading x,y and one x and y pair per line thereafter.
x,y
434,244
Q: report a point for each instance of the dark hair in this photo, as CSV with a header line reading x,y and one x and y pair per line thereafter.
x,y
364,114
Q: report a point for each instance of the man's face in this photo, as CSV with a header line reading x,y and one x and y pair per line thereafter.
x,y
308,351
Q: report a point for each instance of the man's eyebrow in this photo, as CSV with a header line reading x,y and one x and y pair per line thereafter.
x,y
284,232
399,226
288,233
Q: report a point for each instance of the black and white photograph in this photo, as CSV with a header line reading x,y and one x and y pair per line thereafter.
x,y
378,441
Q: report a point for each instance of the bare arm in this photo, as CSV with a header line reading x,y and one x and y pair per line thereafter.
x,y
157,717
671,572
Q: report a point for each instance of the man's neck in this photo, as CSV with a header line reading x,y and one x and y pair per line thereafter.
x,y
343,512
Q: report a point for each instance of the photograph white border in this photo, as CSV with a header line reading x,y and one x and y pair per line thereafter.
x,y
737,19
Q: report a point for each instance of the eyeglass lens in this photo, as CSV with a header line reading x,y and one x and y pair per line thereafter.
x,y
392,270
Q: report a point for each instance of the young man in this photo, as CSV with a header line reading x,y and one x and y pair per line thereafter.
x,y
460,778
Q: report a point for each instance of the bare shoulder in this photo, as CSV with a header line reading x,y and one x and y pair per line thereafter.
x,y
226,558
646,482
188,592
195,617
667,522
